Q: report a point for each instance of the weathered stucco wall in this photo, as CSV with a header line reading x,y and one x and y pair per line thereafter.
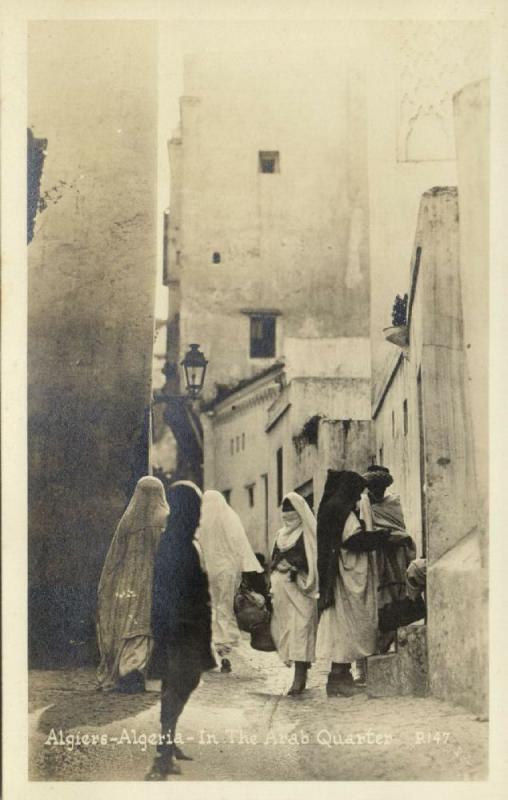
x,y
397,445
343,356
244,432
341,438
414,68
437,449
472,107
293,241
236,454
93,96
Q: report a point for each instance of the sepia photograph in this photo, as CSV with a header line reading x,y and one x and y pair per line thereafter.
x,y
257,388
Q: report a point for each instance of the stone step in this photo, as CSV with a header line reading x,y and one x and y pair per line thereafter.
x,y
403,672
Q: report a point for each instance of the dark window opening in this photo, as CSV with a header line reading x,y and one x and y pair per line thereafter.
x,y
280,480
216,258
250,492
262,336
406,419
227,496
232,446
243,441
269,161
307,492
380,456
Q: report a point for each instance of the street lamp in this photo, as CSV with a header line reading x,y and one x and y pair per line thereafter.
x,y
194,366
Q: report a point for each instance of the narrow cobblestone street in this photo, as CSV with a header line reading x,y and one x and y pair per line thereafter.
x,y
242,727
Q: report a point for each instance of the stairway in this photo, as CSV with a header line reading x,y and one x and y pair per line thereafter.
x,y
404,671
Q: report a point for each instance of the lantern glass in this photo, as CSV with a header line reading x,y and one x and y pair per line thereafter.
x,y
194,366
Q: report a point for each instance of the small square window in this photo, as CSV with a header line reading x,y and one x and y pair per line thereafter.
x,y
269,161
216,258
262,336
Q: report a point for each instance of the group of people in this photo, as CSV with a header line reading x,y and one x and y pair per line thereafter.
x,y
176,563
332,575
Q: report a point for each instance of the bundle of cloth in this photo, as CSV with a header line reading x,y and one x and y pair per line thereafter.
x,y
416,578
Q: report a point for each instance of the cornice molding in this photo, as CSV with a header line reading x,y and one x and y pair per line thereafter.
x,y
262,396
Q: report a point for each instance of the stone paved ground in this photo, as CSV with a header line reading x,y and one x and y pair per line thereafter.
x,y
242,727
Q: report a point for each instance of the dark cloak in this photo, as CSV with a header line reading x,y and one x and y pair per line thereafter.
x,y
181,607
341,494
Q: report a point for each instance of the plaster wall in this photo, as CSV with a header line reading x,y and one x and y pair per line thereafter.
x,y
414,69
92,93
345,356
294,241
236,457
472,108
438,451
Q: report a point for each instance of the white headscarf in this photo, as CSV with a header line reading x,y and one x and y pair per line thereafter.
x,y
222,538
190,485
148,506
298,522
148,509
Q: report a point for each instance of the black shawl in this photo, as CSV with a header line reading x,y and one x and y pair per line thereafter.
x,y
181,609
342,492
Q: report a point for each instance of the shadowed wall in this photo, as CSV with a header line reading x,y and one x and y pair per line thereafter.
x,y
93,97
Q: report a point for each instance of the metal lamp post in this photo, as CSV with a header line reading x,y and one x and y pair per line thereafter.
x,y
194,367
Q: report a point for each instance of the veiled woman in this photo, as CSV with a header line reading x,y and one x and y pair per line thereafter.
x,y
294,586
124,595
347,580
227,554
181,618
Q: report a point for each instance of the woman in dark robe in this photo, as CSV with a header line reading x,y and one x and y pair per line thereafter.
x,y
347,580
181,618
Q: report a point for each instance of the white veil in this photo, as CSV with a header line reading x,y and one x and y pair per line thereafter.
x,y
222,538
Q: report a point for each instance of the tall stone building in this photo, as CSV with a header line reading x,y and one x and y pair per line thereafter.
x,y
268,264
93,98
269,221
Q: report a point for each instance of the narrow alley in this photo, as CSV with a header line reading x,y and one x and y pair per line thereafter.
x,y
242,727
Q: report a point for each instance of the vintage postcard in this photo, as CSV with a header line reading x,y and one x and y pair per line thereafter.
x,y
246,408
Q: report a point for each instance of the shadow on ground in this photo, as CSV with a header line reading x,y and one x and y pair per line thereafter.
x,y
74,701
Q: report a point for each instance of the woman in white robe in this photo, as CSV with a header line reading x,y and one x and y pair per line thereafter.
x,y
125,590
294,589
348,576
348,629
227,553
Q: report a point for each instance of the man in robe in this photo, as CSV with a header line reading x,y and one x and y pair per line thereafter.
x,y
381,511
